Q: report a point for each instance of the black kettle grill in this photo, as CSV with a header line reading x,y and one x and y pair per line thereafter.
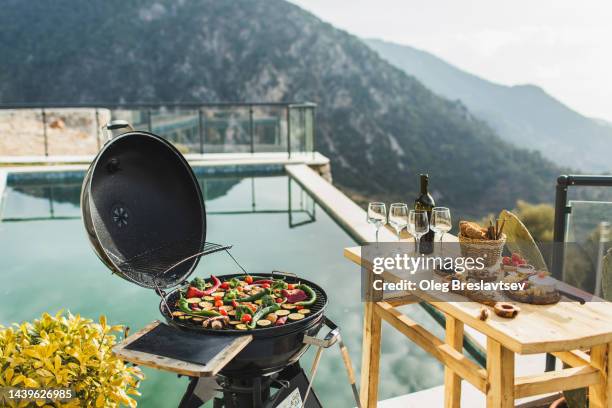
x,y
145,217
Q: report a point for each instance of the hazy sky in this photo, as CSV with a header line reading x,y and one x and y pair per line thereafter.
x,y
564,46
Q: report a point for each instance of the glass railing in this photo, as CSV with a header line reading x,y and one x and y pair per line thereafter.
x,y
582,251
587,239
193,128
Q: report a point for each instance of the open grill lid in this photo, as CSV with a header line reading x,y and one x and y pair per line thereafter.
x,y
143,210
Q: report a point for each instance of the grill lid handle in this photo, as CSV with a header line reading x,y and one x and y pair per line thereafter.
x,y
117,127
283,274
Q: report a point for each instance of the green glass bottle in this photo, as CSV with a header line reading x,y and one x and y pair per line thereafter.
x,y
425,202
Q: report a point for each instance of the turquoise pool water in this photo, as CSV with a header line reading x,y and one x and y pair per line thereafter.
x,y
47,265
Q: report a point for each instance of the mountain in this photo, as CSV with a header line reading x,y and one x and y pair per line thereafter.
x,y
379,126
524,114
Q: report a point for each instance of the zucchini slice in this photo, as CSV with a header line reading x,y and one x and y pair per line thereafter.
x,y
296,316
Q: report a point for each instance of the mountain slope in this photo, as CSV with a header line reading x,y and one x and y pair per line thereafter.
x,y
524,115
379,126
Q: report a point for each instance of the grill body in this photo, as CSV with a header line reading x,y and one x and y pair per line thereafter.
x,y
273,348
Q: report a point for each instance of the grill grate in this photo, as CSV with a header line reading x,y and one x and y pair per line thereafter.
x,y
316,309
171,263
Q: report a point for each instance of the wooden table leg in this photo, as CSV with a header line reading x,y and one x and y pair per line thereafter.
x,y
600,396
500,373
452,382
370,356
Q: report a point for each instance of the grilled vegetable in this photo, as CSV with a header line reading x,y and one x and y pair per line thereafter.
x,y
288,306
282,312
262,281
184,307
254,297
272,317
261,313
246,318
215,322
264,322
312,296
241,326
198,283
279,284
215,286
280,321
193,292
296,316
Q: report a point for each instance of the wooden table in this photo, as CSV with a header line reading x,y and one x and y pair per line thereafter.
x,y
565,329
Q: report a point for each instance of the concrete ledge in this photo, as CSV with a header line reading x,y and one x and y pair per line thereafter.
x,y
347,214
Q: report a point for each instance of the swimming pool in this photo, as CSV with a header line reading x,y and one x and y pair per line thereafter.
x,y
47,265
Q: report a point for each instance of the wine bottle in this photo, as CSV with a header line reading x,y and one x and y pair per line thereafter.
x,y
425,202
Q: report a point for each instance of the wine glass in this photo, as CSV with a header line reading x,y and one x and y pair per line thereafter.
x,y
398,217
419,224
441,221
377,215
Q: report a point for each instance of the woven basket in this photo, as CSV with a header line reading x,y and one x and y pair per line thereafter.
x,y
490,251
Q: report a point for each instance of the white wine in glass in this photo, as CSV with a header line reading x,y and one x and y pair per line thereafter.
x,y
398,218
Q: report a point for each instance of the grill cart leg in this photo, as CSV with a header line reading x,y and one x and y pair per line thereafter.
x,y
199,391
190,400
330,339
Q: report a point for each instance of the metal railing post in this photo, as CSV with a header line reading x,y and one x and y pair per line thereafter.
x,y
149,120
314,130
97,129
558,249
561,211
200,131
251,129
288,132
44,119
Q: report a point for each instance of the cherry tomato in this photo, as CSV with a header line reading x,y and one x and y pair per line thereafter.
x,y
299,307
218,297
290,286
246,318
279,300
225,285
265,285
248,279
223,312
234,303
239,288
218,303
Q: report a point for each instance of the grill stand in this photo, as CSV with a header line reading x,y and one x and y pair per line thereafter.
x,y
292,386
283,389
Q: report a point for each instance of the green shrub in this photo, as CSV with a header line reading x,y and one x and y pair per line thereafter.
x,y
66,351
